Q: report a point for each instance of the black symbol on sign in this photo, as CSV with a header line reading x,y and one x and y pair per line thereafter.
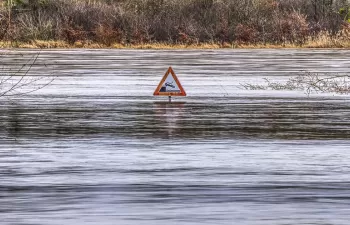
x,y
170,84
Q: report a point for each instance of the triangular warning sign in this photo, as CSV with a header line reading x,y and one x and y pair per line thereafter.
x,y
170,85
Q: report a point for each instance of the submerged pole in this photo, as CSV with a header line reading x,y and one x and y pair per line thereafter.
x,y
169,98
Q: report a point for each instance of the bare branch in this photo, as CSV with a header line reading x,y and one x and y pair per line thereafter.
x,y
13,83
309,82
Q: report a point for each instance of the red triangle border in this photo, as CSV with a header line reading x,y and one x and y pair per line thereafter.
x,y
182,91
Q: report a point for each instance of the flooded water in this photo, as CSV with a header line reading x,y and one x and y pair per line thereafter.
x,y
95,146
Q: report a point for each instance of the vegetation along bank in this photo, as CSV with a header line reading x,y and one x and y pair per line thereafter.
x,y
175,23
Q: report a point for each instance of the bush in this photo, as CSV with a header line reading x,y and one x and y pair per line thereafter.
x,y
171,21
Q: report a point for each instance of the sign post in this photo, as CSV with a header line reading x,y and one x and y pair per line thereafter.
x,y
170,85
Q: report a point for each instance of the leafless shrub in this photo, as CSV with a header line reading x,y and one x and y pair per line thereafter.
x,y
171,21
245,33
248,86
308,82
292,27
4,23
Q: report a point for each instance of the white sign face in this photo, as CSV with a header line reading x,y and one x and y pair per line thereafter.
x,y
169,85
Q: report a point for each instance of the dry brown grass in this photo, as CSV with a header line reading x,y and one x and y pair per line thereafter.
x,y
322,40
40,44
326,40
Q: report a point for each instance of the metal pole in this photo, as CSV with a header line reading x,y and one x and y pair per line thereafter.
x,y
169,98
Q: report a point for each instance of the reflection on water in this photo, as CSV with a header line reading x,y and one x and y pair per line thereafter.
x,y
97,148
225,118
168,115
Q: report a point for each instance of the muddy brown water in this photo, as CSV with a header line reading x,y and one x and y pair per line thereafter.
x,y
95,147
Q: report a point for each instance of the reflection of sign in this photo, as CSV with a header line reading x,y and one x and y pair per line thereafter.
x,y
170,85
169,115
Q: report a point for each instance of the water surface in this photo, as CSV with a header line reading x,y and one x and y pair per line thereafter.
x,y
95,147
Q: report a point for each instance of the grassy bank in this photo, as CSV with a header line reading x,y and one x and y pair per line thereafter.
x,y
323,41
167,24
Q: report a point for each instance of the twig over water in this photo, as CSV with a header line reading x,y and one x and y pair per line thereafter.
x,y
20,82
309,82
